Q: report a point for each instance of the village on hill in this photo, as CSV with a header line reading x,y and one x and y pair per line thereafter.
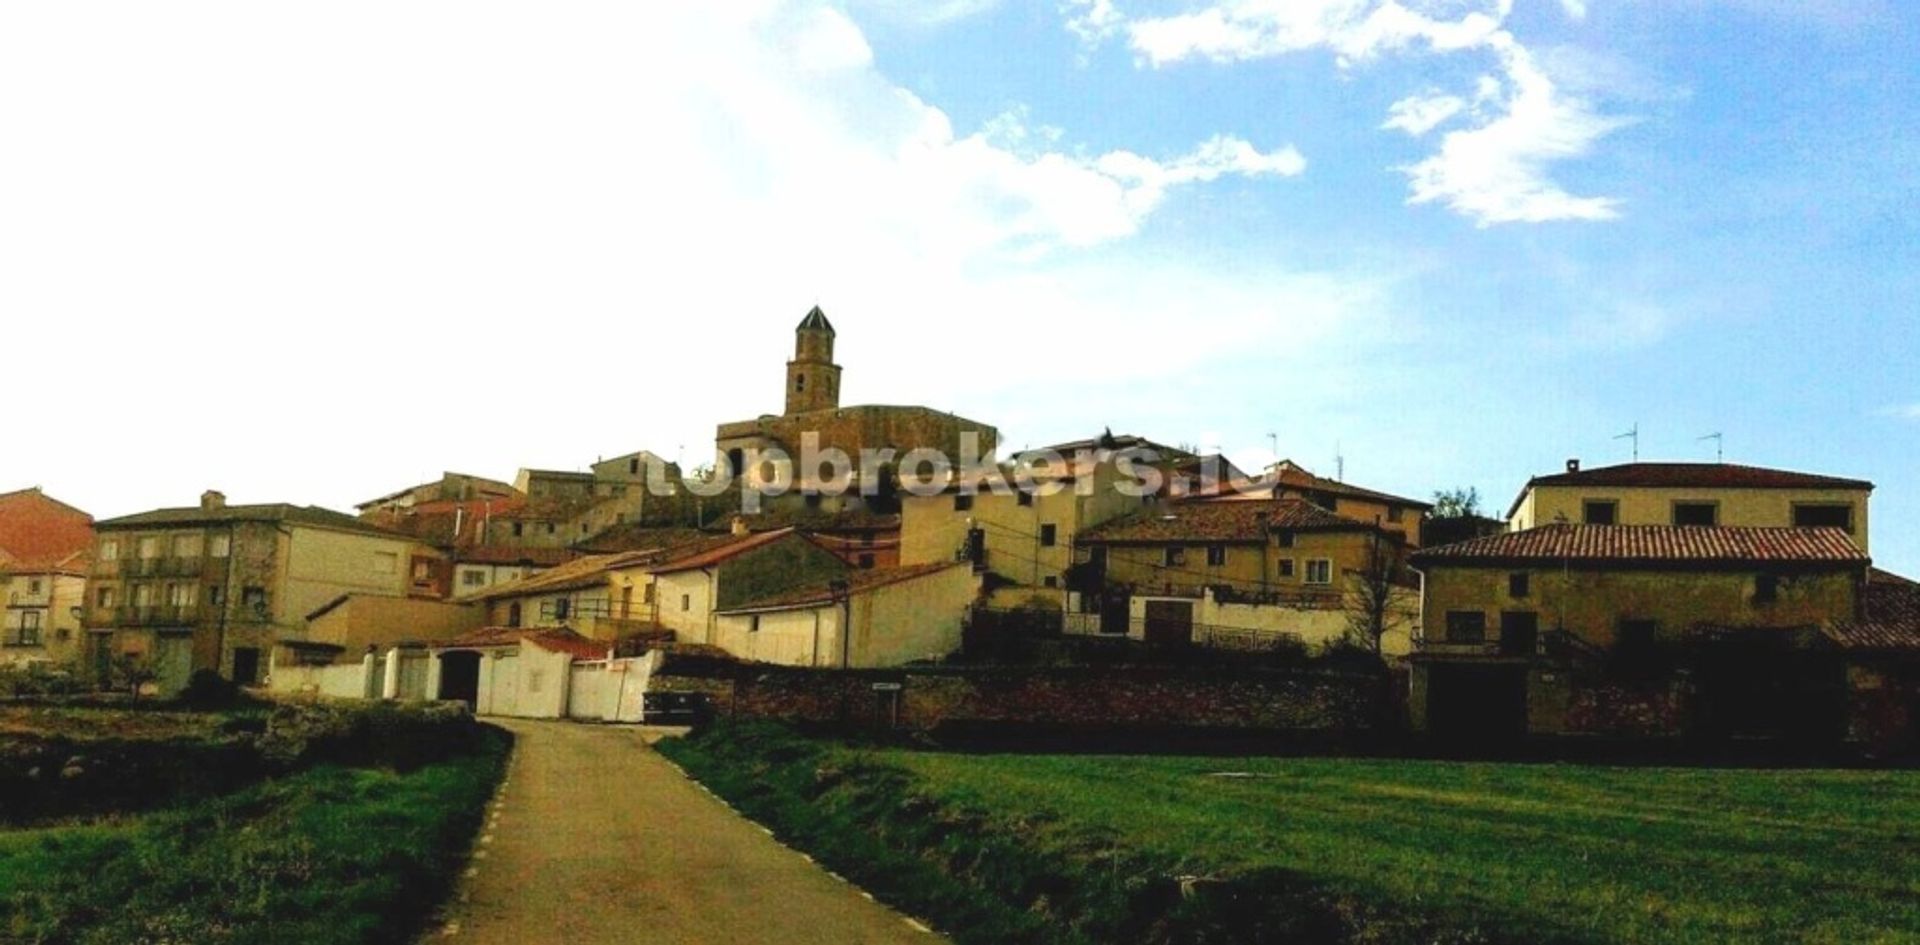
x,y
1644,600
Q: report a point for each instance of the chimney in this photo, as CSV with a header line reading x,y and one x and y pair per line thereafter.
x,y
213,499
1573,465
740,529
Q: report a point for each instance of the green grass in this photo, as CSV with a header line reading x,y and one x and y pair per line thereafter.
x,y
1352,850
1612,854
328,855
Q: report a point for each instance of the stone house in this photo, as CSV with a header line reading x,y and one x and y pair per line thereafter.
x,y
1021,524
863,620
1693,494
46,549
215,586
685,591
1288,480
1243,574
1635,629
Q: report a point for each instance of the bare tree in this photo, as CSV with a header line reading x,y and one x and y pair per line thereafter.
x,y
1369,595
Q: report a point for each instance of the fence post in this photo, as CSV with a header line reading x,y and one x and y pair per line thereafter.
x,y
390,680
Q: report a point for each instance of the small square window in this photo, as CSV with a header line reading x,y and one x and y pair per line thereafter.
x,y
1319,571
1176,557
1466,626
1286,568
1023,498
1696,513
1823,516
1599,512
962,503
1048,535
1216,555
1050,581
1284,538
1519,584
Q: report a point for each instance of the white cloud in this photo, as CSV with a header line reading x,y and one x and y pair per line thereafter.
x,y
924,12
314,217
1497,170
1418,114
1092,20
1902,412
1575,9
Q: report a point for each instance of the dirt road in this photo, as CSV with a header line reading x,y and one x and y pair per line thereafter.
x,y
597,839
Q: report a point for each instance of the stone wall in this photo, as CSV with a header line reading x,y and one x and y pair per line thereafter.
x,y
1064,698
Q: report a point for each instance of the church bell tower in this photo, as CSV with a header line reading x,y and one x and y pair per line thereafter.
x,y
813,380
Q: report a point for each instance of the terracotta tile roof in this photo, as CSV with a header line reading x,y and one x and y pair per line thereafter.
x,y
1689,476
434,522
580,572
41,533
724,548
512,555
1285,475
1890,616
1627,544
636,536
1214,521
277,513
553,639
858,582
852,520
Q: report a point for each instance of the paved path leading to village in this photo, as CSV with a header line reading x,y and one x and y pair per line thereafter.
x,y
597,839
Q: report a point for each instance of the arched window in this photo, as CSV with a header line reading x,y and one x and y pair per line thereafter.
x,y
799,382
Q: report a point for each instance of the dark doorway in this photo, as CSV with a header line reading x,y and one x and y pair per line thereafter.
x,y
102,644
1519,632
1169,623
1477,703
1758,685
460,677
246,665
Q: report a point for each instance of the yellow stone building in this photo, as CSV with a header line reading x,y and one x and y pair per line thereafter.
x,y
1517,629
215,586
1693,494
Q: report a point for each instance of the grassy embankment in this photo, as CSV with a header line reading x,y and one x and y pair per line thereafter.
x,y
1089,849
323,854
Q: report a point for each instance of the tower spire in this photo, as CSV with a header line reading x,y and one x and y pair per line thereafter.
x,y
813,380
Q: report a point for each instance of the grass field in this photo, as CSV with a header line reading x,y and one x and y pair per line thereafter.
x,y
324,856
1460,851
1617,854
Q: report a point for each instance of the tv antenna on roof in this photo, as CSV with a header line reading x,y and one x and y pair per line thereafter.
x,y
1719,446
1634,435
1339,463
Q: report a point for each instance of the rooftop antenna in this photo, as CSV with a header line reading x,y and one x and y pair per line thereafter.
x,y
1719,446
1339,463
1274,440
1634,435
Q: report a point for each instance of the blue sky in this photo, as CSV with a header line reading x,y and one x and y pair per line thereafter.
x,y
1455,241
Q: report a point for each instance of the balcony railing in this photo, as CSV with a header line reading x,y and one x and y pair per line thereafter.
x,y
596,609
165,615
160,567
